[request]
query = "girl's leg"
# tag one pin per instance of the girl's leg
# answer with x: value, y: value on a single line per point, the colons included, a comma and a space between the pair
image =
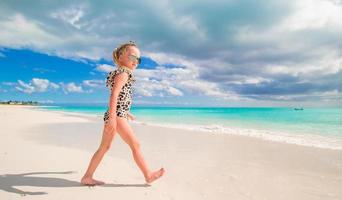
x: 126, y: 133
x: 107, y: 138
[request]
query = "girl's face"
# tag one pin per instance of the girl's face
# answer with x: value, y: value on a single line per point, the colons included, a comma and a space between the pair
x: 130, y: 58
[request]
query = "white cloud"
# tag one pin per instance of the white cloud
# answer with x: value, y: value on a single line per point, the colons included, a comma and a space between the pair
x: 175, y: 81
x: 43, y: 85
x: 105, y: 68
x: 147, y: 87
x: 323, y: 66
x: 54, y: 85
x: 314, y: 14
x: 18, y: 31
x: 329, y: 93
x: 71, y: 15
x: 163, y: 58
x: 157, y: 88
x: 35, y: 85
x: 72, y: 88
x: 178, y: 81
x: 175, y: 91
x: 207, y: 88
x: 26, y: 88
x: 94, y: 83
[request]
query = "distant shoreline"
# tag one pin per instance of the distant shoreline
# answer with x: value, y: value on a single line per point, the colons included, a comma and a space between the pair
x: 31, y: 103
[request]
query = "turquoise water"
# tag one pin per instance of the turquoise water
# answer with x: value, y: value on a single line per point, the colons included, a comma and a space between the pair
x: 316, y: 121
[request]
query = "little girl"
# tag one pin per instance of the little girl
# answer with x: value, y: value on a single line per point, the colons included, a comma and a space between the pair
x: 127, y: 57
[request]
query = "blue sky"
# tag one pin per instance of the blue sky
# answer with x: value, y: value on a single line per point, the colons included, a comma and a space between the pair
x: 195, y: 53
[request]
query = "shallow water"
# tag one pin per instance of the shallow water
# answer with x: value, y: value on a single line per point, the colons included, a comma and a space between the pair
x: 313, y: 126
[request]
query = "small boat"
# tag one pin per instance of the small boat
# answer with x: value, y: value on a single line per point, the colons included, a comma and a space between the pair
x: 298, y: 108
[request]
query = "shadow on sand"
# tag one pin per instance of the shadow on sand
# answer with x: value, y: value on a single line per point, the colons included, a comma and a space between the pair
x: 9, y: 181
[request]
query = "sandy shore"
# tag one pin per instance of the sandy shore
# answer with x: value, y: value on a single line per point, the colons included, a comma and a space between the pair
x: 43, y: 155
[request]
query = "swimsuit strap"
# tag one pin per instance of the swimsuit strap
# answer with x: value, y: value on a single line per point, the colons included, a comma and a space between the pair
x: 129, y: 71
x: 126, y: 69
x: 110, y: 76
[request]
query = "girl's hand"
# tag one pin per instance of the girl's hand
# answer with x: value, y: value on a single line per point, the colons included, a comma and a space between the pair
x: 130, y: 116
x: 111, y: 124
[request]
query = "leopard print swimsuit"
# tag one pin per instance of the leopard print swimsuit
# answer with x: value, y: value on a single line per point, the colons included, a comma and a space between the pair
x: 124, y: 99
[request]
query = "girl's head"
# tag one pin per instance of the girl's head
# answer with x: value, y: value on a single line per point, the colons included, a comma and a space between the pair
x: 127, y: 54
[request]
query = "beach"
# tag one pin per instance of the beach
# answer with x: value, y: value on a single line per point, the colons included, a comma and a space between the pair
x: 43, y: 155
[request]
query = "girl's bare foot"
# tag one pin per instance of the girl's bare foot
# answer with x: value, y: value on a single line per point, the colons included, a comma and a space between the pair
x: 154, y: 175
x: 90, y: 181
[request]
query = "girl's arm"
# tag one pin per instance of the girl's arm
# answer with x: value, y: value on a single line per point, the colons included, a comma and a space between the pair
x: 130, y: 116
x: 119, y: 81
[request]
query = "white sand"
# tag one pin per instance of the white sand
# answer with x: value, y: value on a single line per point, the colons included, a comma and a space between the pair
x: 56, y: 149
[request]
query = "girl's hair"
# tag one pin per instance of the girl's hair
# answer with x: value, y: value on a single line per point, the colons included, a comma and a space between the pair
x: 121, y: 49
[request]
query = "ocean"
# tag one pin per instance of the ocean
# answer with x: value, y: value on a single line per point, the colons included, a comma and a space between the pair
x: 320, y: 127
